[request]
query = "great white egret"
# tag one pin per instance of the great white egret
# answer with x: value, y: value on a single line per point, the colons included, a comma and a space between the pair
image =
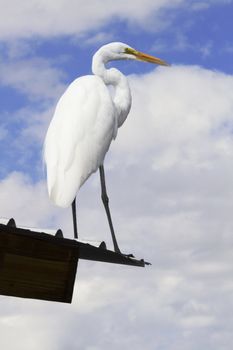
x: 85, y: 122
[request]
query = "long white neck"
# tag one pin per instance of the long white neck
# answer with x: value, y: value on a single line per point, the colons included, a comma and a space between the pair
x: 112, y: 76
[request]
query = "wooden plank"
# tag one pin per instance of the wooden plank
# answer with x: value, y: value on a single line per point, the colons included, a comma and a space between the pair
x: 40, y: 266
x: 32, y: 267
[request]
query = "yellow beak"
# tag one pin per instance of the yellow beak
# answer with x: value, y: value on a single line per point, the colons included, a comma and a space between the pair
x: 148, y: 58
x: 145, y: 57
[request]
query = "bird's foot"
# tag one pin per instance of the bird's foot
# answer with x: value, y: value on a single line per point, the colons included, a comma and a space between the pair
x: 129, y: 255
x: 126, y: 255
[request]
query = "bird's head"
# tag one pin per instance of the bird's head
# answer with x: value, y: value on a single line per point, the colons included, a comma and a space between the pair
x: 121, y: 51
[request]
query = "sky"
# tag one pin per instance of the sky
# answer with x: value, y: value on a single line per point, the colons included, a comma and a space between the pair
x: 169, y: 172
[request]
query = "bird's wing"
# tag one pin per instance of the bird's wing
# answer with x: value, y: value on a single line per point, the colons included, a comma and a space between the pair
x: 78, y: 137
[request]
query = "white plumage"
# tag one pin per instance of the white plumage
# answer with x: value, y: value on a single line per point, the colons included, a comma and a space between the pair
x: 78, y: 137
x: 85, y: 122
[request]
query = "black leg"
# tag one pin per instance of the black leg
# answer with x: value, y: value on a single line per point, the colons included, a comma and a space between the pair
x: 105, y: 200
x: 74, y: 219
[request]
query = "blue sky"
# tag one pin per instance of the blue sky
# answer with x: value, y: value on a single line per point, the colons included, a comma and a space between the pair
x: 169, y: 172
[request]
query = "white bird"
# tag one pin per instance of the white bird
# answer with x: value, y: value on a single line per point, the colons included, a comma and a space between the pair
x: 85, y: 122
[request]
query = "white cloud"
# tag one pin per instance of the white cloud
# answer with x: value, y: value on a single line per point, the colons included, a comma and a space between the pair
x: 205, y: 4
x: 25, y: 128
x: 99, y: 38
x: 36, y: 78
x: 52, y: 18
x: 3, y: 133
x: 177, y: 112
x: 17, y: 48
x: 21, y: 199
x: 169, y: 176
